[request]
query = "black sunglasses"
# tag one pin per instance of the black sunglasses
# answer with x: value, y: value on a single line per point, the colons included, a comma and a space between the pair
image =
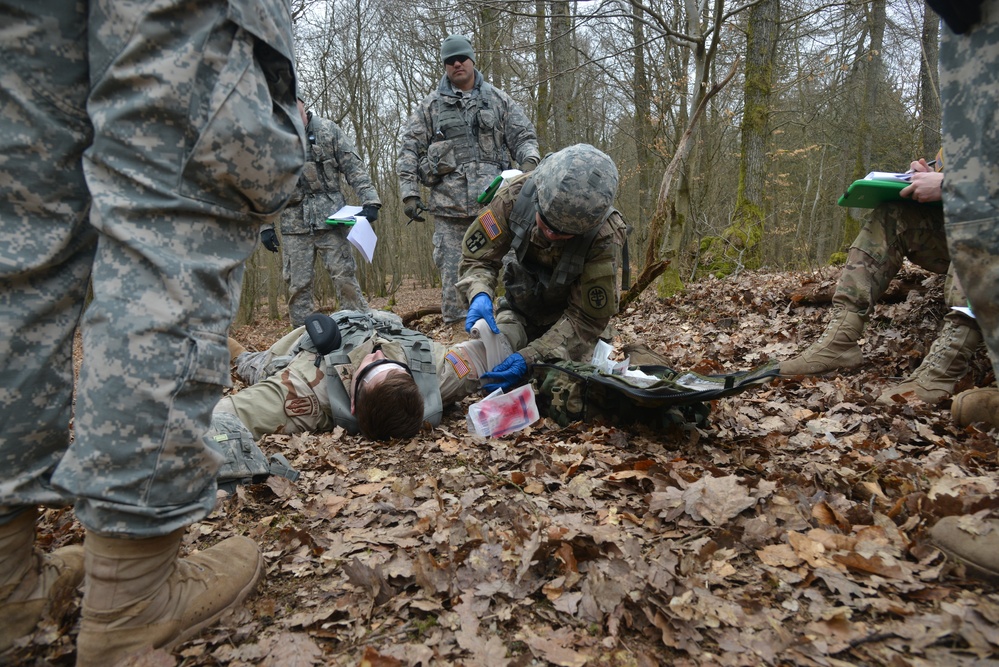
x: 549, y: 225
x: 455, y: 59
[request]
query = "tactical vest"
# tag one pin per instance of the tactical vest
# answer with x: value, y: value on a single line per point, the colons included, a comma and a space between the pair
x: 450, y: 122
x: 321, y: 172
x: 355, y: 329
x: 529, y: 284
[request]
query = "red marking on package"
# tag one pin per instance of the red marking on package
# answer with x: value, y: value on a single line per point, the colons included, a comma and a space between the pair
x: 489, y: 225
x: 460, y: 366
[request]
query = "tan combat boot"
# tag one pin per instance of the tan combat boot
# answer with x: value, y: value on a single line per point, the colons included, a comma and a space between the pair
x: 836, y: 348
x: 235, y: 349
x: 942, y: 368
x: 139, y: 594
x: 971, y: 541
x: 975, y: 406
x: 30, y: 581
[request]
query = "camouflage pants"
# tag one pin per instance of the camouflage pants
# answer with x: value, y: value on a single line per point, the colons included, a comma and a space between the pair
x: 148, y: 193
x: 969, y: 81
x: 300, y: 251
x: 448, y: 235
x: 892, y: 233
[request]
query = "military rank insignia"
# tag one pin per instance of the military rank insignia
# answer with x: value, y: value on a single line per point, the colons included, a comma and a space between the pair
x: 489, y: 225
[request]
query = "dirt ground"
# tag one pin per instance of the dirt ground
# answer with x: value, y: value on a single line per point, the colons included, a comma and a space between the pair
x: 791, y: 529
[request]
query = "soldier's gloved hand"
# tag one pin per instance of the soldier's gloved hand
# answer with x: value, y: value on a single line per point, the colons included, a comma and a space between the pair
x: 370, y: 211
x: 530, y: 164
x: 481, y: 308
x: 270, y: 240
x: 508, y: 373
x: 412, y: 207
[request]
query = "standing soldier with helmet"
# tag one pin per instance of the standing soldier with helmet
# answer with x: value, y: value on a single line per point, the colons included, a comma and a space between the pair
x: 303, y: 223
x: 460, y: 138
x: 567, y: 237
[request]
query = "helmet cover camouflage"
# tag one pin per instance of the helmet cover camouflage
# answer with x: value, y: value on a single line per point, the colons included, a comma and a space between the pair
x: 576, y: 188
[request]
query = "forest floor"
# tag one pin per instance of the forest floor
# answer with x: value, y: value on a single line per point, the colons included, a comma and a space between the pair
x: 790, y: 530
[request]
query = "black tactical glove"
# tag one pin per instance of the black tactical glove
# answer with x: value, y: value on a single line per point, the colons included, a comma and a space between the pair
x: 370, y: 211
x: 412, y: 207
x: 960, y: 15
x: 270, y: 240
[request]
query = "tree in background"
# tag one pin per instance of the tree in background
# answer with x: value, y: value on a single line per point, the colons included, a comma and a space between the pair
x: 627, y: 76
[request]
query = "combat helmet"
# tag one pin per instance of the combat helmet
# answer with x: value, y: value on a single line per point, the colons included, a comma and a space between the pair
x: 575, y: 188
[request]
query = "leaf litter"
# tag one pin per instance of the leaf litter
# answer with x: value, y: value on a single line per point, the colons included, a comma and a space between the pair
x: 791, y: 530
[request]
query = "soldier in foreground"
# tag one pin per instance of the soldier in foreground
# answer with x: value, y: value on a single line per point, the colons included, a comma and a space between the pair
x: 303, y: 223
x: 154, y: 195
x: 460, y: 138
x: 969, y: 81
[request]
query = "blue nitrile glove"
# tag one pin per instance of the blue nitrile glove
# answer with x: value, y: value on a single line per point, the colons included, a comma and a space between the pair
x: 508, y: 373
x: 481, y: 308
x: 270, y: 240
x: 370, y: 211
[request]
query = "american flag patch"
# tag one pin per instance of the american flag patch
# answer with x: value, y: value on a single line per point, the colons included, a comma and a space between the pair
x: 460, y: 366
x: 490, y: 225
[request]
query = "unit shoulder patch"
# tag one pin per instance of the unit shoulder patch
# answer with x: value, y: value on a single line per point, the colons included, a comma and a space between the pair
x: 475, y: 240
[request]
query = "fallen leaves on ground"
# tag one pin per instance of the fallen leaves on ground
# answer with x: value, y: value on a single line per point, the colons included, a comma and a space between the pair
x: 792, y: 530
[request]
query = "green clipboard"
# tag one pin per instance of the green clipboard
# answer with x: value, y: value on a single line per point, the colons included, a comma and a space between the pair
x: 868, y: 193
x: 346, y: 222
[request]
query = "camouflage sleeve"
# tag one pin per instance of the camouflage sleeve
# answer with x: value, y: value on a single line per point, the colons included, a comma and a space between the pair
x: 519, y: 133
x: 353, y: 168
x: 412, y: 166
x: 482, y: 249
x: 593, y: 299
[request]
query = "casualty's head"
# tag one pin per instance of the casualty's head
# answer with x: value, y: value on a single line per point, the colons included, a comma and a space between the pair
x: 385, y: 399
x: 459, y: 61
x: 576, y: 187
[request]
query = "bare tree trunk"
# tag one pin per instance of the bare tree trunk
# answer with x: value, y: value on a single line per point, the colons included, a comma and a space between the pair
x: 563, y: 109
x: 870, y: 69
x: 746, y: 230
x: 643, y: 115
x: 664, y: 204
x: 929, y: 84
x: 544, y: 102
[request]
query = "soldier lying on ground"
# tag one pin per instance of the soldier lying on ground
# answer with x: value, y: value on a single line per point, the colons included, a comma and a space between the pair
x: 383, y: 381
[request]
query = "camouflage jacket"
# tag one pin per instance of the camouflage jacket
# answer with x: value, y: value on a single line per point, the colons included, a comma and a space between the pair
x: 320, y: 188
x: 457, y: 142
x: 572, y: 316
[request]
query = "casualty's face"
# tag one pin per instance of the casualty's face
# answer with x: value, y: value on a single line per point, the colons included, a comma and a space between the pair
x: 372, y: 377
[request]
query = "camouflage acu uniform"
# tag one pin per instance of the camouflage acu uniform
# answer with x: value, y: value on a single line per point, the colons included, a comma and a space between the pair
x: 155, y: 193
x: 546, y: 313
x: 893, y: 232
x: 456, y: 143
x: 304, y: 232
x: 289, y: 393
x: 969, y: 79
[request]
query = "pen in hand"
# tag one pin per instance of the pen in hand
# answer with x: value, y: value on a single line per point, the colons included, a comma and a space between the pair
x: 930, y: 164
